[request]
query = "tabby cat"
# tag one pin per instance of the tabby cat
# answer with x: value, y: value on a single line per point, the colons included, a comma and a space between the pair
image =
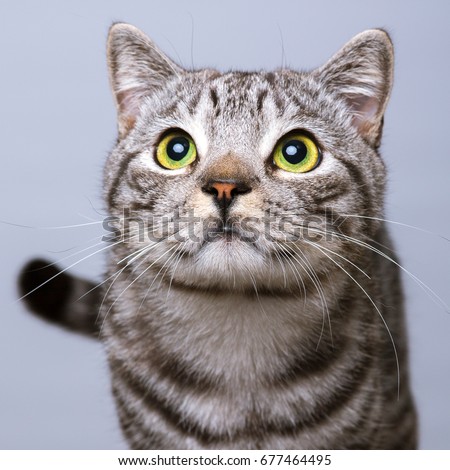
x: 251, y: 299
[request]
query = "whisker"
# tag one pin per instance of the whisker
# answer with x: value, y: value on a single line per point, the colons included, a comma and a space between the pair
x: 166, y: 266
x: 154, y: 279
x: 64, y: 270
x: 394, y: 222
x: 115, y: 275
x: 95, y: 209
x: 294, y: 270
x: 282, y: 268
x: 317, y: 246
x: 136, y: 254
x: 324, y: 300
x: 100, y: 309
x: 428, y: 290
x: 347, y: 260
x: 177, y: 262
x: 50, y: 227
x: 309, y: 270
x: 255, y: 287
x: 139, y: 276
x: 73, y: 254
x: 100, y: 284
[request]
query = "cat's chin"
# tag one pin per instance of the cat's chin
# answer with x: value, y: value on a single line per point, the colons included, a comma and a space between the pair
x: 231, y: 266
x: 228, y: 264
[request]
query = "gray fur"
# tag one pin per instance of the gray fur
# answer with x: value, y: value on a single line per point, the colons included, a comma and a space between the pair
x: 269, y: 345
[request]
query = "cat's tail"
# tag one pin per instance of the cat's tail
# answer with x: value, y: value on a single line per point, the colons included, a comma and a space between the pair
x: 60, y: 298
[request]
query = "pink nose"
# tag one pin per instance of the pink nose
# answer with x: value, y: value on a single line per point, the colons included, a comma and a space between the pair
x: 224, y: 190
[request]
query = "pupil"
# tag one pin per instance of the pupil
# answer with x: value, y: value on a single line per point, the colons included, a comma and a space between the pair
x: 294, y: 151
x: 178, y: 148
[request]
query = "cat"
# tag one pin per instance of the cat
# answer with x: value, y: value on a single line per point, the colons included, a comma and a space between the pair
x: 251, y: 298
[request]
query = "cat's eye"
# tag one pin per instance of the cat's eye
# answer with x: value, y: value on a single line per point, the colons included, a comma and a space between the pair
x: 176, y: 150
x: 296, y: 153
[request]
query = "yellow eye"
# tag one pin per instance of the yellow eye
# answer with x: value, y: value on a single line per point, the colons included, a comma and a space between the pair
x: 296, y: 153
x: 176, y: 150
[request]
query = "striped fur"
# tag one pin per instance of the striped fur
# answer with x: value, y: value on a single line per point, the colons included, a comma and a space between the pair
x: 266, y: 344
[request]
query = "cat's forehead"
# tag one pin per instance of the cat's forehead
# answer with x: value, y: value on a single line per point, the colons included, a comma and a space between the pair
x: 235, y: 104
x: 246, y: 93
x: 248, y: 105
x: 227, y: 113
x: 236, y: 92
x: 237, y: 112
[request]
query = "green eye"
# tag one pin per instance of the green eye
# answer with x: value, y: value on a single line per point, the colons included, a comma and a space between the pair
x: 176, y: 150
x: 296, y: 153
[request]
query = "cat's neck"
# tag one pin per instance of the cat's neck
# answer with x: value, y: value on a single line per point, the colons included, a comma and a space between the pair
x: 231, y: 332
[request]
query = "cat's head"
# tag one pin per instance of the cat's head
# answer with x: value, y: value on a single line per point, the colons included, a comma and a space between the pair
x: 246, y: 179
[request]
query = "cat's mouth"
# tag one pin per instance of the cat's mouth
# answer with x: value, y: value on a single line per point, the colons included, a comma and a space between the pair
x: 228, y: 231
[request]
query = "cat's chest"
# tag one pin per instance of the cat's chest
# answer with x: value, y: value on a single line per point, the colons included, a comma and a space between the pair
x: 224, y: 362
x: 230, y: 337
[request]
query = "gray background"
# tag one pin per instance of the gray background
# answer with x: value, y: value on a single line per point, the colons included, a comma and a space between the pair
x: 58, y: 123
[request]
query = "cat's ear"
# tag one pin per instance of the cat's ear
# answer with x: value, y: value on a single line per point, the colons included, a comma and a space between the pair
x: 362, y: 72
x: 136, y: 68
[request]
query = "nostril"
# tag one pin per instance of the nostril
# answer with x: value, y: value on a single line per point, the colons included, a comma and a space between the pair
x: 241, y: 188
x: 210, y: 190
